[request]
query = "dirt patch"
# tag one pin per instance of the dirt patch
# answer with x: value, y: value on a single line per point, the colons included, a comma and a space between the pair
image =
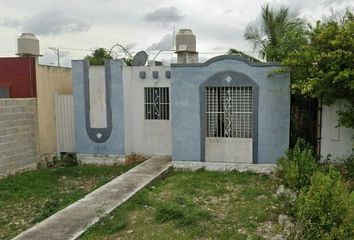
x: 69, y: 184
x: 134, y: 158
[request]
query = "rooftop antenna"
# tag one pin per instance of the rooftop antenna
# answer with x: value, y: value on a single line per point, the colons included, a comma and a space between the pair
x: 140, y: 59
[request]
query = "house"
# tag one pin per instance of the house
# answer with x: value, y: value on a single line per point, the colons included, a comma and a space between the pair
x: 227, y: 110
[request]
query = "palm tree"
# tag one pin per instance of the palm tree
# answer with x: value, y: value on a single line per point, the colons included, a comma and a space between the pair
x: 268, y: 37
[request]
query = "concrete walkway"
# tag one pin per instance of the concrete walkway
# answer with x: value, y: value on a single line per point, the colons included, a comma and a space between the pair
x: 74, y: 220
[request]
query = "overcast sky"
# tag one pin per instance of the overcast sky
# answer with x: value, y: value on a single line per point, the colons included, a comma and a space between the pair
x: 78, y: 26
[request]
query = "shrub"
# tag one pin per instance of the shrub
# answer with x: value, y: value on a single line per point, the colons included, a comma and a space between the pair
x: 346, y: 167
x: 70, y: 160
x: 297, y: 167
x: 66, y: 160
x: 325, y: 209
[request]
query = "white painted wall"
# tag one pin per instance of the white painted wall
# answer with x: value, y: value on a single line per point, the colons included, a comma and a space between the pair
x: 336, y: 141
x: 144, y: 136
x: 97, y: 83
x: 228, y: 150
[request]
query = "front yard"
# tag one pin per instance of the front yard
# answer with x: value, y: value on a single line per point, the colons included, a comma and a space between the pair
x: 196, y: 205
x: 30, y: 197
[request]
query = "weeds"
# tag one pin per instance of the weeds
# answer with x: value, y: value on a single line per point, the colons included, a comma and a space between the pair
x: 32, y: 196
x: 297, y: 167
x: 181, y: 211
x: 194, y: 205
x: 134, y: 158
x: 324, y: 208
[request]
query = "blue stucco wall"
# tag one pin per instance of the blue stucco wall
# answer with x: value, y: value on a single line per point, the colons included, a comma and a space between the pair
x: 115, y: 142
x: 273, y: 106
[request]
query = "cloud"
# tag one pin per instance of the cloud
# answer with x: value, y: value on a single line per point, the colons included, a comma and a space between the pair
x: 50, y: 58
x: 11, y: 22
x: 130, y: 46
x: 165, y: 43
x: 331, y: 2
x: 48, y: 23
x: 164, y: 15
x: 228, y: 11
x: 220, y: 49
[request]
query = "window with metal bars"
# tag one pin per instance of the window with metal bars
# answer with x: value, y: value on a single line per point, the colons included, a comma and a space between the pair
x: 229, y: 112
x: 157, y: 103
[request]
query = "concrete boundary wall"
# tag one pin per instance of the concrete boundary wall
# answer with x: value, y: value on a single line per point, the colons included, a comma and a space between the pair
x: 50, y: 80
x: 335, y: 141
x: 18, y: 135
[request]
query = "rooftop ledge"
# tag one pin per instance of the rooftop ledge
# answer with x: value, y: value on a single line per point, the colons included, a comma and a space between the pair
x: 228, y: 57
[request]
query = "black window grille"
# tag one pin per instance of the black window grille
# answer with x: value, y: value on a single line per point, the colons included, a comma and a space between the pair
x: 157, y: 103
x: 229, y: 112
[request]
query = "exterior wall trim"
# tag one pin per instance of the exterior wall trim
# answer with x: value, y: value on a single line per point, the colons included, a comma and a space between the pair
x: 92, y: 132
x: 227, y: 57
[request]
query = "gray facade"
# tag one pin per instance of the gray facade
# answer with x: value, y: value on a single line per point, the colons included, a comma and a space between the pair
x: 271, y: 109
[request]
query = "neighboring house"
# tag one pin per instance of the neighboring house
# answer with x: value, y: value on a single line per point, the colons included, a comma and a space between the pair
x: 23, y: 77
x: 18, y: 77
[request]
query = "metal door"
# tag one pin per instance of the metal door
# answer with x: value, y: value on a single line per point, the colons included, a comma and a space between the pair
x: 64, y: 116
x: 229, y: 124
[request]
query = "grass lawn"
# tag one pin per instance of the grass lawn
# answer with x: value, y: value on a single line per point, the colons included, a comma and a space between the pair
x: 196, y: 205
x: 30, y: 197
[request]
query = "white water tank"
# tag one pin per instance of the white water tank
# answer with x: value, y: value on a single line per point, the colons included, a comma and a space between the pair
x: 186, y: 46
x: 27, y: 45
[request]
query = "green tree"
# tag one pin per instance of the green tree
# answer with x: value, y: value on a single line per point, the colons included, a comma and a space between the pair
x: 324, y: 67
x: 128, y: 61
x: 98, y: 57
x: 278, y: 34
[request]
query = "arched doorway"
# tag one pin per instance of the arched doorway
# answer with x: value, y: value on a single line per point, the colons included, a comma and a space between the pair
x: 229, y: 118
